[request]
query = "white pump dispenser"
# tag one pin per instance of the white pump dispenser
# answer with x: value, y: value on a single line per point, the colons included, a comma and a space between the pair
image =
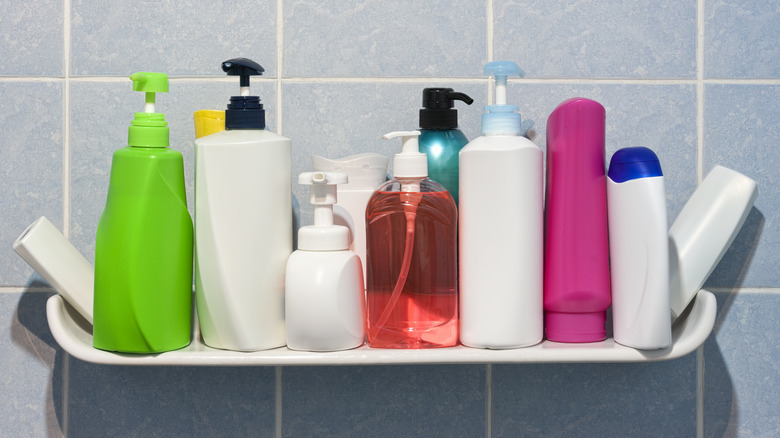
x: 324, y: 302
x: 410, y: 163
x: 501, y: 228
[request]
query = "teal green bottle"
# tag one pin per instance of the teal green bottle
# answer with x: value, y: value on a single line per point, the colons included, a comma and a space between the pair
x: 143, y: 248
x: 440, y: 137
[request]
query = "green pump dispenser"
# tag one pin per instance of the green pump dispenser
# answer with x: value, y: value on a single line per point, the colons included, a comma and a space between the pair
x: 143, y: 247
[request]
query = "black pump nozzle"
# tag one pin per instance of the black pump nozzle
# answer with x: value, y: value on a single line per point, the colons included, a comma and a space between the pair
x: 244, y: 111
x: 242, y: 67
x: 438, y: 108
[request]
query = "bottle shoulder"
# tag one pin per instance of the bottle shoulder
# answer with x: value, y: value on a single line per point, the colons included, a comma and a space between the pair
x: 240, y: 137
x: 135, y: 152
x: 499, y: 143
x: 426, y: 185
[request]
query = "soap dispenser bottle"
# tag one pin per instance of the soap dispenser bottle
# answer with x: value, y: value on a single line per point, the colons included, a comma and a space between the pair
x: 576, y: 256
x: 143, y: 247
x: 440, y: 138
x: 501, y: 228
x: 324, y: 298
x: 365, y: 172
x: 243, y: 224
x: 411, y: 233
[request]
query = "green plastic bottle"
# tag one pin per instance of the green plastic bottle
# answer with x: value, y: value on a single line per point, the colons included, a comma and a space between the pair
x: 143, y: 251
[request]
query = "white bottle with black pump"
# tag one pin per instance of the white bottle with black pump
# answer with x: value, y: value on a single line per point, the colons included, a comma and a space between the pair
x: 501, y: 228
x: 243, y: 224
x: 325, y: 302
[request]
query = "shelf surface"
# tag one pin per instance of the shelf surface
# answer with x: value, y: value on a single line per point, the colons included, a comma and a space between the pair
x: 74, y: 335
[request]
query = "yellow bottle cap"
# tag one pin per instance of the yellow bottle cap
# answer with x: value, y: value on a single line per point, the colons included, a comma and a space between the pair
x: 208, y: 122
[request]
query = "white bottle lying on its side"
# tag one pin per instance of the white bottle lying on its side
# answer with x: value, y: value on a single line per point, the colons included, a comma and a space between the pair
x: 639, y: 250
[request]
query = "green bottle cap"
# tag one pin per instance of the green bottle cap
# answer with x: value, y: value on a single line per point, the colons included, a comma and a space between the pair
x: 149, y: 128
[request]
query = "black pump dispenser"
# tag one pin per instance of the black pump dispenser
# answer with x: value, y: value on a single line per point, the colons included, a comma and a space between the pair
x: 438, y: 110
x: 244, y: 111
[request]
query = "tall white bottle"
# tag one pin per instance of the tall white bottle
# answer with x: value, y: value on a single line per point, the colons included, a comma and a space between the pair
x: 243, y: 225
x: 639, y: 249
x: 501, y: 228
x: 325, y: 300
x: 365, y: 172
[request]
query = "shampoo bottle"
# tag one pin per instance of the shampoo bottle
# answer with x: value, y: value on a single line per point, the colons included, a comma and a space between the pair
x: 639, y: 250
x: 143, y: 247
x: 324, y: 298
x: 501, y: 229
x: 365, y: 172
x: 243, y: 224
x: 411, y: 232
x: 440, y: 138
x: 576, y: 257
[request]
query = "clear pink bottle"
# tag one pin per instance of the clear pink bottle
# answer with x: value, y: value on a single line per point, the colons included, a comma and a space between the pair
x: 412, y: 270
x: 576, y: 259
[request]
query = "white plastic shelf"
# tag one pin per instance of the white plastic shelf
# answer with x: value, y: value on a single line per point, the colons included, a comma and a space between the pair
x: 688, y: 333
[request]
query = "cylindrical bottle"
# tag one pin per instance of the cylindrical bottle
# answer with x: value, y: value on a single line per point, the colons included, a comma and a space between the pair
x: 365, y: 172
x: 576, y: 258
x: 143, y: 248
x: 411, y: 232
x: 639, y: 250
x: 243, y: 225
x: 324, y: 298
x: 440, y: 138
x: 501, y: 230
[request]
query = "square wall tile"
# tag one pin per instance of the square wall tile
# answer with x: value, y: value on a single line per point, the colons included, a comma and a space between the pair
x: 31, y: 38
x: 384, y: 401
x: 31, y: 165
x: 742, y: 133
x: 375, y: 38
x: 660, y: 117
x: 741, y: 385
x: 31, y: 364
x: 740, y: 39
x: 125, y: 401
x: 336, y: 120
x: 100, y: 115
x: 564, y: 39
x: 580, y: 400
x: 171, y: 36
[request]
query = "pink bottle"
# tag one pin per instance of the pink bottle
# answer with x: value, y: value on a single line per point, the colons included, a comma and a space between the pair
x: 576, y: 258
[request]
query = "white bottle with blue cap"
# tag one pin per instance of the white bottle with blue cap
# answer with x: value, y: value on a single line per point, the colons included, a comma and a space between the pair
x: 501, y: 228
x: 639, y: 250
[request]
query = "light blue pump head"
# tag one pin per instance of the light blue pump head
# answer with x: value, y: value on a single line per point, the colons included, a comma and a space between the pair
x: 500, y: 118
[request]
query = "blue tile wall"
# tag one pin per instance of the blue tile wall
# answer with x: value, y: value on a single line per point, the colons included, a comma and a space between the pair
x: 699, y: 86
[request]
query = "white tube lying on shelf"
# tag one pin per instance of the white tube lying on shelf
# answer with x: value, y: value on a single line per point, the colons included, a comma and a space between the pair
x: 47, y: 251
x: 704, y: 230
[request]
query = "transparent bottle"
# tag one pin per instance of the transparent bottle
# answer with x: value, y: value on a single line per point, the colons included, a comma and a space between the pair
x: 411, y: 229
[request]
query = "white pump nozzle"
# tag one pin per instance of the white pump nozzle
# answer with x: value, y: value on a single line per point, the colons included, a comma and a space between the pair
x: 500, y: 118
x: 410, y: 163
x: 323, y: 236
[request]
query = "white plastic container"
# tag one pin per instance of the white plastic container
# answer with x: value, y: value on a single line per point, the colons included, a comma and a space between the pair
x: 365, y: 172
x: 47, y: 251
x: 501, y: 229
x: 243, y: 227
x: 639, y: 250
x: 704, y: 230
x: 325, y: 300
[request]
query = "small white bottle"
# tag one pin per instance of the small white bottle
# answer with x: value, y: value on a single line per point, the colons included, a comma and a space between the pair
x: 639, y: 250
x: 243, y: 225
x: 365, y: 172
x: 325, y: 301
x: 501, y: 229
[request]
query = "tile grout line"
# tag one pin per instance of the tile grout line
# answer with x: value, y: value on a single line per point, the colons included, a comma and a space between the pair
x: 699, y: 176
x: 489, y: 400
x: 66, y: 32
x: 279, y: 62
x: 278, y: 401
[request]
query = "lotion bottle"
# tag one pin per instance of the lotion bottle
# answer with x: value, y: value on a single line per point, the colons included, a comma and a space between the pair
x: 440, y: 138
x: 143, y: 247
x: 365, y: 172
x: 411, y: 233
x: 243, y: 224
x: 324, y: 298
x: 501, y: 228
x: 576, y: 257
x: 639, y: 250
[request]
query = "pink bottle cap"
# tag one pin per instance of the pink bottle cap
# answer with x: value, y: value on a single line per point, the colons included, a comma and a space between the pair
x: 575, y: 327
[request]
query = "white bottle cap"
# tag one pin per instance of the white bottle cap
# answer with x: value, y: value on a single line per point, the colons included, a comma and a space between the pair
x: 410, y: 163
x: 365, y: 171
x: 323, y: 235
